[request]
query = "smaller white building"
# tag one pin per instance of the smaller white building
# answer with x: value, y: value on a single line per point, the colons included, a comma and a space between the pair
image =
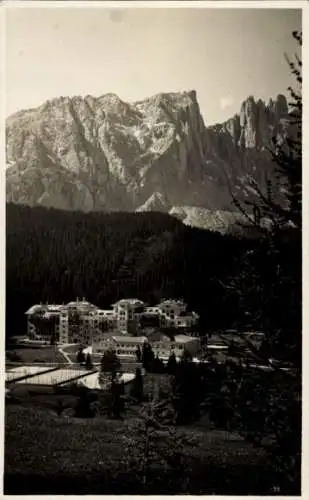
x: 123, y: 345
x: 161, y: 344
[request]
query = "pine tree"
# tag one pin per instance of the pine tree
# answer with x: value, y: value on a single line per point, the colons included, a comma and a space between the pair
x: 157, y: 365
x: 137, y: 391
x: 187, y: 394
x: 80, y: 356
x: 138, y: 353
x: 89, y: 361
x: 147, y: 357
x: 110, y: 363
x: 84, y: 405
x: 268, y: 285
x: 171, y: 364
x: 269, y: 289
x: 158, y: 442
x: 186, y: 356
x: 117, y: 390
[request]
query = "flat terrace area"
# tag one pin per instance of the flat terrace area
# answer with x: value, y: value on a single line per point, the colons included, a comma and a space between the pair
x: 47, y: 376
x: 25, y: 371
x: 54, y: 377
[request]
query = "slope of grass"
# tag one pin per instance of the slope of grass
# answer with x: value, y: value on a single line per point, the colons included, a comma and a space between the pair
x: 38, y: 355
x: 46, y: 454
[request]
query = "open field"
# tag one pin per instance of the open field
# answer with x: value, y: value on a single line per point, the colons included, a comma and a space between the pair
x: 73, y: 456
x: 38, y: 355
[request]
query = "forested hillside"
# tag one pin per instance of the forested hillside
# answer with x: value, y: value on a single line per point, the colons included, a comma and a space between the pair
x: 56, y: 256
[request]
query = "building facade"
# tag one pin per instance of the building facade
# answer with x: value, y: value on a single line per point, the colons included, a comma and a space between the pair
x: 74, y: 322
x: 80, y: 321
x: 174, y: 314
x: 127, y: 313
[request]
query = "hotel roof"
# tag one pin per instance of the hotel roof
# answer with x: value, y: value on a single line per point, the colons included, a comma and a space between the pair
x: 133, y: 340
x: 184, y: 338
x: 78, y: 304
x: 81, y: 304
x: 172, y: 302
x: 44, y: 308
x: 129, y: 301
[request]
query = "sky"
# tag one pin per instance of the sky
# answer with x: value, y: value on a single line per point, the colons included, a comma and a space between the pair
x: 224, y: 54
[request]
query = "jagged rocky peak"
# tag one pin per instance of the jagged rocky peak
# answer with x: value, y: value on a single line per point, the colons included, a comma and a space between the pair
x: 110, y: 97
x: 169, y: 100
x: 112, y: 102
x: 279, y: 106
x: 101, y: 153
x: 257, y: 122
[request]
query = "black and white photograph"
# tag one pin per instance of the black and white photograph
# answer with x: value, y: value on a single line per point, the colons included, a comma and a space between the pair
x: 153, y: 248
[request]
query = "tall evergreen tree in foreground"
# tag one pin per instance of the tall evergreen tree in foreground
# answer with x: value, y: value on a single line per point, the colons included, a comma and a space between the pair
x: 268, y: 408
x: 157, y: 441
x: 89, y: 364
x: 137, y: 391
x: 269, y: 284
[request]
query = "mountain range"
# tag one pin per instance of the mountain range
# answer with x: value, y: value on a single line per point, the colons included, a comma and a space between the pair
x: 103, y: 154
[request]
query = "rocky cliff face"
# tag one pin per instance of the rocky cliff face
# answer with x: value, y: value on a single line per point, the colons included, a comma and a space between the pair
x: 104, y: 154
